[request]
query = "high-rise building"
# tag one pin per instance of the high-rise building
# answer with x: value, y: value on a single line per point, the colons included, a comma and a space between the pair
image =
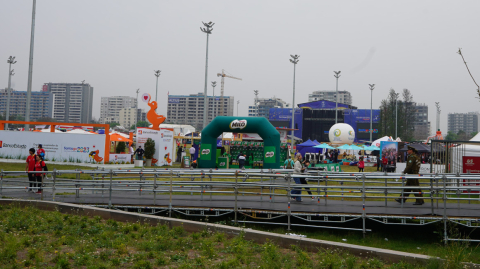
x: 262, y: 108
x: 188, y: 109
x: 127, y: 117
x: 111, y: 106
x: 344, y: 97
x: 467, y: 122
x: 421, y: 123
x: 72, y: 102
x: 40, y: 104
x: 141, y: 115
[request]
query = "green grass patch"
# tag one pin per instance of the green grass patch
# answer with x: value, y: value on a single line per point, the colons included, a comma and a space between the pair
x: 42, y: 239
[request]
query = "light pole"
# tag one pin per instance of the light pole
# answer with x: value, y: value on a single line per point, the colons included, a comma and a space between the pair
x: 437, y: 104
x: 294, y: 61
x: 396, y: 113
x: 136, y: 108
x: 337, y: 75
x: 372, y: 86
x: 238, y: 102
x: 214, y: 84
x: 256, y: 102
x: 157, y: 74
x: 208, y: 31
x: 30, y: 67
x: 10, y: 61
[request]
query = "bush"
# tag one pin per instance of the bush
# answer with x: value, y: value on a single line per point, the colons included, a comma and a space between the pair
x: 120, y: 147
x: 149, y: 148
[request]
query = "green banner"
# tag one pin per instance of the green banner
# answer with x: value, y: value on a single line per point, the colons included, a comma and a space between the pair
x: 206, y: 152
x: 270, y: 154
x: 330, y: 167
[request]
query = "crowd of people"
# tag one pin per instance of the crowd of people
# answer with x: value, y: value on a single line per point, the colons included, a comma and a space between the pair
x: 34, y: 165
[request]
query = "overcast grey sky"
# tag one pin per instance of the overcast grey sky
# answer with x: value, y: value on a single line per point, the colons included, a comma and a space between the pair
x: 115, y: 45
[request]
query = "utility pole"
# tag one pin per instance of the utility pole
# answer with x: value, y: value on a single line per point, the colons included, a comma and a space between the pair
x: 238, y: 102
x: 437, y: 104
x: 372, y: 86
x: 10, y: 61
x: 136, y: 108
x: 256, y: 102
x: 294, y: 61
x: 30, y: 67
x: 337, y: 75
x: 396, y: 114
x: 214, y: 84
x: 157, y: 74
x: 208, y: 31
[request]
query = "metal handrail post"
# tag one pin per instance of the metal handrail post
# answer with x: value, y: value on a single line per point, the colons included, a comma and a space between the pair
x: 77, y: 191
x: 1, y: 182
x: 363, y: 209
x: 41, y: 187
x: 289, y: 212
x: 110, y: 189
x: 171, y: 190
x: 402, y: 198
x: 54, y: 176
x: 261, y: 187
x: 211, y: 187
x: 201, y: 179
x: 431, y: 194
x: 236, y: 197
x: 155, y: 187
x: 445, y: 209
x: 386, y: 191
x: 326, y: 186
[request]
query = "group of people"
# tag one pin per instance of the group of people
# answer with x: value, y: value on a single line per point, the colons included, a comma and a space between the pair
x: 34, y: 164
x: 299, y: 167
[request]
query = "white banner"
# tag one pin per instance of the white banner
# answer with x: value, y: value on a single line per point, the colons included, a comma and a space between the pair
x: 59, y: 147
x: 120, y: 158
x: 163, y: 144
x: 424, y: 168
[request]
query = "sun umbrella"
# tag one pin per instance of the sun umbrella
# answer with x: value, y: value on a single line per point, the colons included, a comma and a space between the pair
x: 324, y: 146
x: 345, y: 147
x: 118, y: 138
x: 355, y: 147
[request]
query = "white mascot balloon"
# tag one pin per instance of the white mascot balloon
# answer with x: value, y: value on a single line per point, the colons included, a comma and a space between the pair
x: 341, y: 133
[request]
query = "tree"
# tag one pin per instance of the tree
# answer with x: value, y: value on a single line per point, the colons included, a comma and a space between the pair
x: 405, y: 111
x: 451, y: 136
x: 461, y: 135
x: 149, y: 148
x: 113, y: 124
x: 120, y: 147
x: 140, y: 124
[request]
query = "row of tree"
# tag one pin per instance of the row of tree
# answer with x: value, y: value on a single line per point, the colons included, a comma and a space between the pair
x: 460, y: 136
x: 397, y: 112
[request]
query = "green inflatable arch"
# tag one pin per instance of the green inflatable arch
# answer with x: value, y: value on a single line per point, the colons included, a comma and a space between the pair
x: 259, y: 125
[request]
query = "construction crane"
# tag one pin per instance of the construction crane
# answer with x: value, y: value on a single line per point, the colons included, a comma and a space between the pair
x: 223, y: 75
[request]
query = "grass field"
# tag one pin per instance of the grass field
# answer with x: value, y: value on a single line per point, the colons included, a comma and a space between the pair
x: 33, y: 238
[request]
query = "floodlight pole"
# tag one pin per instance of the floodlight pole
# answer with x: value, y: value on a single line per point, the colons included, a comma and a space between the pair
x: 396, y: 113
x: 372, y: 86
x: 238, y: 102
x: 337, y: 75
x: 256, y: 102
x: 136, y: 108
x: 294, y: 61
x: 10, y: 61
x: 157, y: 74
x: 214, y: 84
x: 208, y: 31
x: 437, y: 104
x: 30, y: 68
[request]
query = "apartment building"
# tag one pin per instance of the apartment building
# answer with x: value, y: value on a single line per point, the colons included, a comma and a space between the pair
x: 72, y: 102
x: 467, y: 122
x: 188, y: 109
x: 344, y: 97
x: 40, y: 104
x: 261, y: 106
x: 421, y: 123
x: 110, y: 107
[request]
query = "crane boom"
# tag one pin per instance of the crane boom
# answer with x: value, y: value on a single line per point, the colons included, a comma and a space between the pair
x: 223, y: 75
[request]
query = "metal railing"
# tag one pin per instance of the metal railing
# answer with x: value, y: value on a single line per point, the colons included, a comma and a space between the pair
x: 152, y: 186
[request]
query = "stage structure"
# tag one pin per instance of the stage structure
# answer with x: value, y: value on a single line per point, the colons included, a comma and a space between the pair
x: 259, y: 125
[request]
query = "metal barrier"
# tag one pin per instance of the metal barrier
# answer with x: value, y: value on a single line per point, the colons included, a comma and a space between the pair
x: 151, y: 187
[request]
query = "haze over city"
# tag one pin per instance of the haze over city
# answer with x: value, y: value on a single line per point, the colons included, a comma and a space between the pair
x: 115, y: 46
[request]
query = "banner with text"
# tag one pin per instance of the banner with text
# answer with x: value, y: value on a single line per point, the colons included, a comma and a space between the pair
x: 163, y: 144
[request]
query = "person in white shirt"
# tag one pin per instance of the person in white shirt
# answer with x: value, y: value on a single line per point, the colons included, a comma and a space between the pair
x: 130, y: 149
x: 192, y: 153
x: 298, y: 169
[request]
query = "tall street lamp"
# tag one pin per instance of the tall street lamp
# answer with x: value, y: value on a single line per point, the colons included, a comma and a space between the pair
x: 238, y: 102
x: 396, y: 113
x: 30, y: 67
x: 10, y: 61
x: 437, y: 105
x: 372, y: 86
x: 214, y: 84
x: 294, y: 61
x: 256, y: 102
x: 337, y: 75
x: 208, y: 30
x: 157, y: 74
x: 136, y: 108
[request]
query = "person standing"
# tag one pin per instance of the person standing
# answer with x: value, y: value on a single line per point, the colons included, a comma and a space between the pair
x: 384, y: 162
x: 379, y: 163
x: 241, y: 161
x: 130, y: 149
x: 192, y: 153
x: 289, y: 163
x: 297, y: 169
x: 39, y: 166
x: 413, y: 167
x: 303, y: 180
x: 361, y: 165
x: 41, y: 151
x: 139, y: 152
x: 30, y: 167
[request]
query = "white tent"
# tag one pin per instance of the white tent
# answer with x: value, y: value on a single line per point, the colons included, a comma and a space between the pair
x: 78, y: 131
x: 376, y: 143
x: 48, y: 131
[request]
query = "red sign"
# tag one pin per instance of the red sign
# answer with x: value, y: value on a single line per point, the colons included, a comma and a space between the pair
x: 471, y: 165
x: 45, y: 88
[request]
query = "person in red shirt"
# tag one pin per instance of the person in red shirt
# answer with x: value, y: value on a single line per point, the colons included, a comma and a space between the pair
x: 29, y: 168
x: 39, y: 166
x: 384, y: 163
x: 41, y: 151
x: 361, y: 165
